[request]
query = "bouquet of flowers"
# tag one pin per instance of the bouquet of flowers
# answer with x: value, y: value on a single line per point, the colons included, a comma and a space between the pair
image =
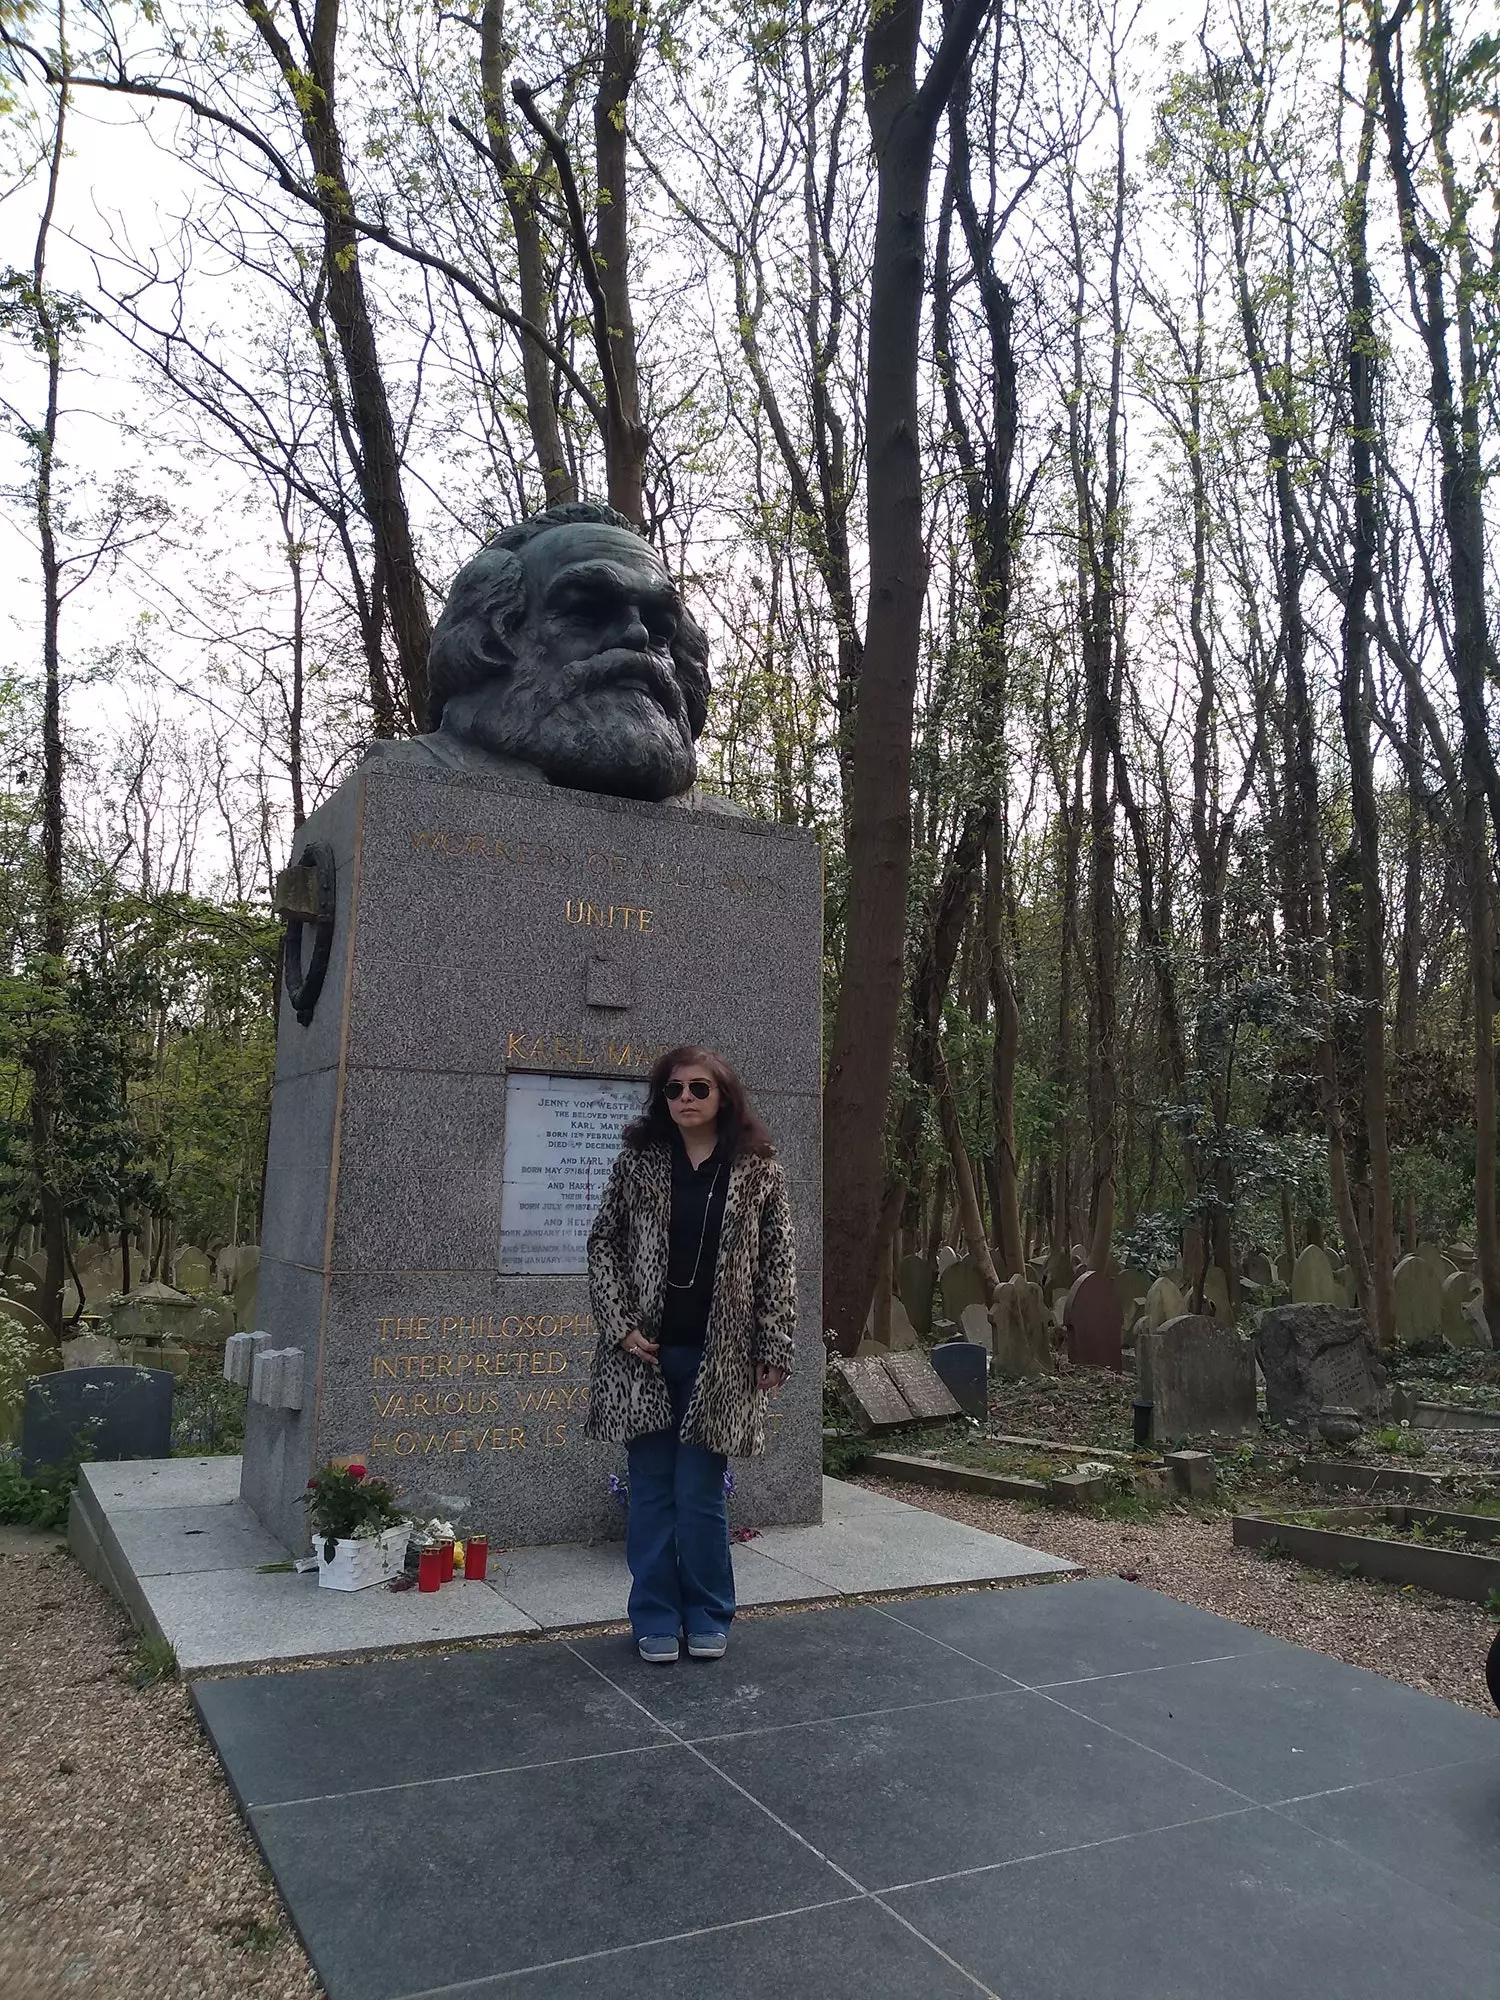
x: 345, y: 1504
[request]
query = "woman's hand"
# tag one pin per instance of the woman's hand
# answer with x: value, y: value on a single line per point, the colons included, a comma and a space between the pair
x: 636, y: 1343
x: 767, y: 1377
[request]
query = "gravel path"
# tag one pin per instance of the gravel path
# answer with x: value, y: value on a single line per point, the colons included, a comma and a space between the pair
x: 128, y: 1874
x: 1432, y: 1643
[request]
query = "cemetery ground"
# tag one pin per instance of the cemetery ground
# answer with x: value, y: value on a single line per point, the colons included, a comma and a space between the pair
x: 130, y: 1872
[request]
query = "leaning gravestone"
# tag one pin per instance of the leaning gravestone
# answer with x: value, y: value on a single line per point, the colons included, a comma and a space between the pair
x: 946, y: 1256
x: 1199, y: 1377
x: 1164, y: 1301
x: 914, y: 1282
x: 1419, y: 1299
x: 1457, y: 1326
x: 1317, y: 1357
x: 493, y: 932
x: 1094, y: 1323
x: 1313, y: 1282
x: 102, y: 1413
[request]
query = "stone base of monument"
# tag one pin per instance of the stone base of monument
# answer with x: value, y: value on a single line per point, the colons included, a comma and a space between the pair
x: 173, y: 1541
x: 458, y: 1052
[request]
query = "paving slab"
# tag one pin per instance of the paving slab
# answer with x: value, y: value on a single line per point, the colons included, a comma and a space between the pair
x: 853, y: 1806
x: 186, y: 1557
x: 235, y: 1617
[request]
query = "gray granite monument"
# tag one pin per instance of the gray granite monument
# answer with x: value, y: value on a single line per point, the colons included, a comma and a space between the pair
x: 487, y: 948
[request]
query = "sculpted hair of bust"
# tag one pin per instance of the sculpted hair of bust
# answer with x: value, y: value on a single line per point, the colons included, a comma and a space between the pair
x: 564, y: 646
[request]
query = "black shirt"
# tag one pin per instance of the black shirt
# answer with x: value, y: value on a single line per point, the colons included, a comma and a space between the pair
x: 698, y: 1196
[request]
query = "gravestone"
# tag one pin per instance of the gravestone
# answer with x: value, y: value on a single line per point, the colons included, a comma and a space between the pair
x: 192, y: 1270
x: 114, y: 1412
x: 101, y: 1274
x: 505, y: 961
x: 1019, y: 1341
x: 946, y: 1256
x: 1316, y: 1357
x: 31, y: 1323
x: 1094, y: 1323
x: 961, y: 1285
x: 1060, y: 1273
x: 1258, y: 1269
x: 962, y: 1366
x: 974, y: 1325
x: 903, y: 1333
x: 233, y: 1262
x: 1131, y: 1286
x: 1419, y: 1299
x: 915, y: 1279
x: 1164, y: 1301
x: 20, y: 1286
x: 91, y: 1350
x: 883, y: 1392
x: 161, y: 1313
x: 1313, y: 1282
x: 1199, y: 1377
x: 1216, y: 1293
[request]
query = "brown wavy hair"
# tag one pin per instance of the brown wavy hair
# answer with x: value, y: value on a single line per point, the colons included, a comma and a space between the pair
x: 739, y: 1128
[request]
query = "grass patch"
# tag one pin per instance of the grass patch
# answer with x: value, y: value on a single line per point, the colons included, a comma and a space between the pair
x: 153, y: 1661
x: 39, y: 1502
x: 1402, y: 1444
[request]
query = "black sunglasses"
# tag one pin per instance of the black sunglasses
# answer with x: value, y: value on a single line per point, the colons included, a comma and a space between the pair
x: 698, y: 1085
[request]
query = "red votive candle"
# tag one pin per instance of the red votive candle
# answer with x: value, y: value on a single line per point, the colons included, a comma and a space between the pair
x: 445, y: 1553
x: 430, y: 1568
x: 476, y: 1557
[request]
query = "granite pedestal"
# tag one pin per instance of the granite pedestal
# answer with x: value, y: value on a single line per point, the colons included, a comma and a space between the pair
x: 486, y: 936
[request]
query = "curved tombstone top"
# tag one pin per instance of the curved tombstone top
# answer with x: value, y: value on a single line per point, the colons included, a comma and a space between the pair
x: 565, y: 655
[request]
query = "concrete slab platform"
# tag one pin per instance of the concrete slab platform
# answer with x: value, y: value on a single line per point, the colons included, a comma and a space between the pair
x: 972, y: 1794
x: 174, y: 1542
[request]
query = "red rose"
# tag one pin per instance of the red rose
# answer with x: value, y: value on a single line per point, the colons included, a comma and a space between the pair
x: 356, y: 1472
x: 312, y: 1485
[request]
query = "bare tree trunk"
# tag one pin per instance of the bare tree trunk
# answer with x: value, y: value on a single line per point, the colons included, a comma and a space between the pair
x: 903, y: 120
x: 1354, y: 708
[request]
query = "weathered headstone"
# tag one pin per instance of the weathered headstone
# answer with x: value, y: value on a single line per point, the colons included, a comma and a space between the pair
x: 101, y: 1274
x: 1094, y: 1323
x: 1020, y: 1344
x: 974, y: 1325
x: 91, y: 1350
x: 1313, y: 1282
x: 903, y: 1333
x: 946, y: 1256
x: 1199, y: 1377
x: 1131, y: 1286
x: 161, y: 1313
x: 1060, y: 1273
x: 1319, y: 1356
x: 233, y: 1262
x: 1419, y: 1299
x: 506, y: 960
x: 108, y: 1413
x: 31, y: 1323
x: 915, y: 1279
x: 1258, y: 1269
x: 1458, y: 1289
x: 1216, y: 1293
x: 1164, y: 1301
x: 917, y: 1380
x: 192, y: 1270
x: 961, y: 1285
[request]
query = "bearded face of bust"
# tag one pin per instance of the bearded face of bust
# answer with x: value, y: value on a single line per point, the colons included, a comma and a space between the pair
x: 570, y: 651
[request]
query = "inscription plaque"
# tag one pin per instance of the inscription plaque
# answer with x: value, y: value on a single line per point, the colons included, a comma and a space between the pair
x: 562, y: 1134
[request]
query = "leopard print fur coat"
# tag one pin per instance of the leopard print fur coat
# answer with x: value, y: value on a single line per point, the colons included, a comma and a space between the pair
x: 751, y: 1320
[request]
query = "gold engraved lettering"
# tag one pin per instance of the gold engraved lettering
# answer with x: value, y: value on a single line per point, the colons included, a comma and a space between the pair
x: 383, y: 1366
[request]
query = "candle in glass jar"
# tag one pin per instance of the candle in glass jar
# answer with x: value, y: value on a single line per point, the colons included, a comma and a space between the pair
x: 445, y: 1553
x: 476, y: 1557
x: 429, y: 1568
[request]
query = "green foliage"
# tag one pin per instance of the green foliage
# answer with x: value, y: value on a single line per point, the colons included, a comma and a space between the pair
x: 208, y: 1418
x: 343, y: 1502
x: 842, y: 1452
x: 39, y: 1502
x: 1405, y: 1444
x: 153, y: 1661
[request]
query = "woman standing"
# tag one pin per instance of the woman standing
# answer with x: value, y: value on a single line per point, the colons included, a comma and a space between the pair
x: 694, y: 1296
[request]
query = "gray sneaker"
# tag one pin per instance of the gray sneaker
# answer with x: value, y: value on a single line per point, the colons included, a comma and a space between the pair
x: 660, y: 1652
x: 707, y: 1645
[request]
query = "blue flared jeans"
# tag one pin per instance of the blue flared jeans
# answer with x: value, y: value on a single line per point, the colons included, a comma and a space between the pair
x: 677, y: 1533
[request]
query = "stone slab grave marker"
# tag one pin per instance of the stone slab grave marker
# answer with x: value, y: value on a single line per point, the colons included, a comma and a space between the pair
x: 1419, y: 1299
x: 885, y: 1392
x: 1216, y: 1293
x: 120, y: 1412
x: 91, y: 1350
x: 192, y: 1270
x: 1094, y: 1323
x: 1199, y: 1377
x: 974, y: 1326
x: 1258, y: 1269
x: 961, y: 1286
x: 915, y: 1279
x: 1163, y: 1301
x: 443, y: 1121
x: 946, y: 1256
x: 962, y: 1366
x: 1020, y: 1344
x: 1313, y: 1282
x: 1317, y: 1357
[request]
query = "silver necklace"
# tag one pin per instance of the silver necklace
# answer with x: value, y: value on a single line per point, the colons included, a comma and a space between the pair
x: 702, y: 1235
